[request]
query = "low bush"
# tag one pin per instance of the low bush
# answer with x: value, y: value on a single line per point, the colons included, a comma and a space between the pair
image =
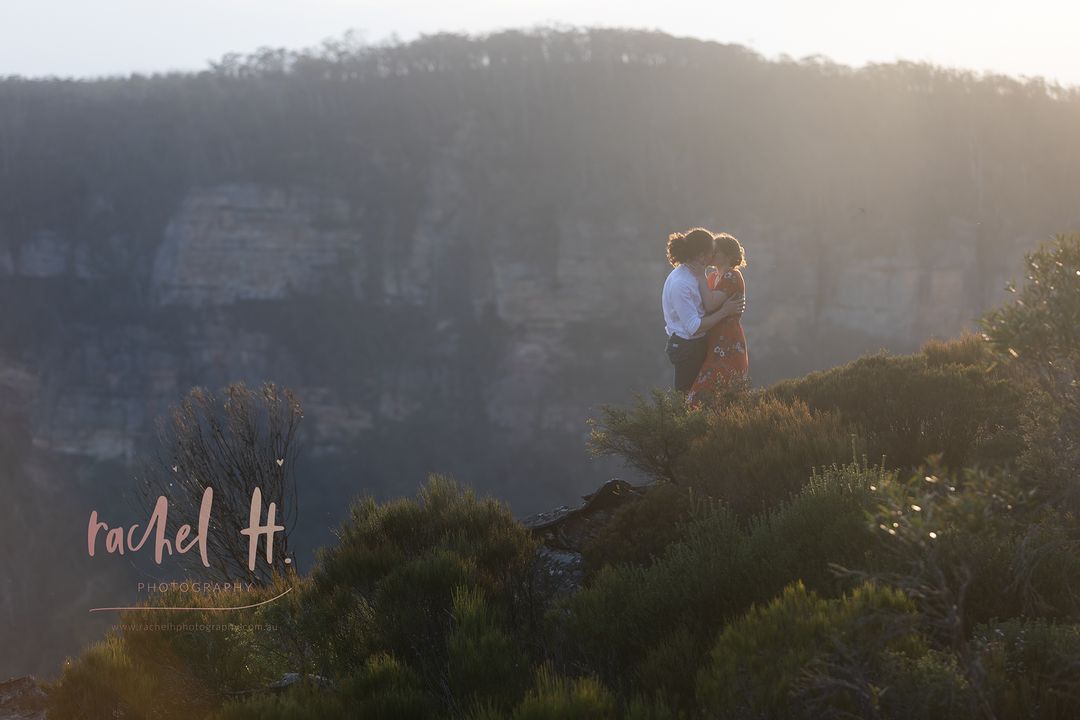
x: 384, y: 689
x: 968, y: 349
x: 388, y: 689
x: 169, y: 665
x: 378, y: 537
x: 645, y: 627
x: 397, y: 565
x: 943, y: 401
x: 1043, y: 325
x: 752, y: 453
x: 656, y: 708
x: 486, y: 665
x: 1036, y: 336
x: 803, y: 656
x: 1032, y: 668
x: 303, y: 702
x: 824, y: 526
x: 974, y: 546
x: 652, y: 436
x: 559, y: 698
x: 327, y: 630
x: 104, y: 683
x: 226, y: 650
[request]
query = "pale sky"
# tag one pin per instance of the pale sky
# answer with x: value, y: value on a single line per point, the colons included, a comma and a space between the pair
x: 88, y: 38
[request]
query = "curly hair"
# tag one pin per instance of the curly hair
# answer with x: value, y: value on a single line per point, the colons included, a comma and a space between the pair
x: 684, y: 247
x: 728, y: 245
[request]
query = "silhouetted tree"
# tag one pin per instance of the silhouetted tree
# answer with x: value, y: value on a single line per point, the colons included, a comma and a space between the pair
x: 234, y: 444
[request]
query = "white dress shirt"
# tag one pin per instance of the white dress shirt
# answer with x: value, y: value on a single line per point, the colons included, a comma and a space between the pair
x: 683, y: 308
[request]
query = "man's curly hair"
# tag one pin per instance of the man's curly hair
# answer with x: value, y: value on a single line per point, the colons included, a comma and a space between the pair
x: 684, y: 247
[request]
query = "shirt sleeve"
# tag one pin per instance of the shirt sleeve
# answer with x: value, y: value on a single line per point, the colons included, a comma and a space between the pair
x: 686, y: 304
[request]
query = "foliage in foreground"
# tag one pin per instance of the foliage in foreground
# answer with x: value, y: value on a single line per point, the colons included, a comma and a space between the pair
x: 847, y: 613
x: 751, y: 453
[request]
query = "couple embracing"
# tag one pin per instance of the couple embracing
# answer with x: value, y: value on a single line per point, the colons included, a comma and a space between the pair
x: 703, y: 301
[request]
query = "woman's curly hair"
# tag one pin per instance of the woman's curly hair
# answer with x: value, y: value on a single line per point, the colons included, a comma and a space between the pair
x: 727, y: 244
x: 684, y: 247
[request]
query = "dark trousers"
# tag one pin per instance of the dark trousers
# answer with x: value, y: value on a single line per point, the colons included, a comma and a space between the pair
x: 687, y: 356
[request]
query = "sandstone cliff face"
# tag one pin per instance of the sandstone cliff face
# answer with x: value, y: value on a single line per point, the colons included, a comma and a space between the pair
x: 811, y: 303
x: 247, y: 242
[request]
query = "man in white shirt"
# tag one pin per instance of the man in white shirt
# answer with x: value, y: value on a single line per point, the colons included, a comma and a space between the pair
x: 684, y: 312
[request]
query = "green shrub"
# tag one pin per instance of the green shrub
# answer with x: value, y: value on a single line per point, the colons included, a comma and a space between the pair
x: 759, y: 451
x: 656, y: 708
x: 931, y: 685
x: 485, y: 663
x: 328, y: 630
x: 558, y: 698
x: 967, y: 349
x: 1043, y: 324
x: 164, y: 664
x: 225, y: 650
x: 653, y: 437
x: 104, y: 683
x: 666, y: 667
x: 396, y: 565
x: 413, y: 604
x: 1051, y: 454
x: 1038, y: 336
x: 822, y: 527
x: 946, y: 401
x: 388, y: 690
x: 378, y: 537
x: 805, y: 656
x: 975, y: 546
x: 648, y: 627
x: 384, y: 689
x: 626, y: 610
x: 752, y: 453
x: 1044, y: 567
x: 303, y: 702
x: 1032, y: 668
x: 911, y: 407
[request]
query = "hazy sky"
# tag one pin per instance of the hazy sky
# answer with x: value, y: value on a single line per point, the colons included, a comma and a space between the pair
x: 85, y: 38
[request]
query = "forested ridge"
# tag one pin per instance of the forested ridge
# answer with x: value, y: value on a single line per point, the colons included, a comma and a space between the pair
x: 622, y: 113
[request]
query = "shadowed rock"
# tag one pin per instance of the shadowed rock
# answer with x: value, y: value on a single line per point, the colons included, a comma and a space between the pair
x: 564, y: 531
x: 22, y: 699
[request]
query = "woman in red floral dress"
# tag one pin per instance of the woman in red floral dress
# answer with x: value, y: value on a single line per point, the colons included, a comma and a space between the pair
x: 727, y: 359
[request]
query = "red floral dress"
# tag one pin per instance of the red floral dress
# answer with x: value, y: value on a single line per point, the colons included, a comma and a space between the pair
x: 727, y: 358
